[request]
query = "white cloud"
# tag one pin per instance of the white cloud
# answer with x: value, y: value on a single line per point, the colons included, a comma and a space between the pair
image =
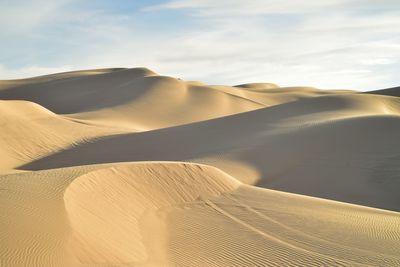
x: 328, y: 44
x: 337, y: 43
x: 247, y: 7
x: 378, y: 61
x: 22, y: 16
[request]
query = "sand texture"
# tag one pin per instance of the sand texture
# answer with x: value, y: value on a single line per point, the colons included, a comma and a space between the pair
x: 125, y: 167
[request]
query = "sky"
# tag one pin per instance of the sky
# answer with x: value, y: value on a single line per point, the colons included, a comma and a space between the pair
x: 346, y: 44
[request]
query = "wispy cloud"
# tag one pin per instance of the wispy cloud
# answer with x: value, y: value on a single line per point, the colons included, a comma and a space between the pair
x: 333, y: 43
x: 329, y: 44
x: 239, y: 7
x: 25, y: 17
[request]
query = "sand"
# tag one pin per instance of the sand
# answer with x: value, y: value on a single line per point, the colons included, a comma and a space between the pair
x: 125, y: 167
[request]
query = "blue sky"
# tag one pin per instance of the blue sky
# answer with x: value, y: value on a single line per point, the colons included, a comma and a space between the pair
x: 329, y: 44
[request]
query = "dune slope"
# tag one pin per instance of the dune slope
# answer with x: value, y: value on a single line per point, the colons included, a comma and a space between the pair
x: 395, y: 91
x: 178, y: 214
x: 311, y: 146
x: 125, y: 167
x: 29, y: 131
x: 138, y: 99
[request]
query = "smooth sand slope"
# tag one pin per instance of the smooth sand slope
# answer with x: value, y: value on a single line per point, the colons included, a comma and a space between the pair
x: 124, y: 167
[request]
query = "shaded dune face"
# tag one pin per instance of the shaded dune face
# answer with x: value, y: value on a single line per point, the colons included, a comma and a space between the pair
x: 395, y: 91
x: 76, y: 91
x: 258, y: 86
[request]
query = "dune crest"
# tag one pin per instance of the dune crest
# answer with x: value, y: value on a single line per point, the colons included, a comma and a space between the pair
x: 101, y: 200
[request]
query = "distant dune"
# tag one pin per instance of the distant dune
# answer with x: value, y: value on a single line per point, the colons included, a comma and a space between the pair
x: 125, y: 167
x: 395, y: 91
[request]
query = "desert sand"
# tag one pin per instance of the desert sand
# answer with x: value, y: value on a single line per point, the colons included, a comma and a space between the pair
x: 126, y: 167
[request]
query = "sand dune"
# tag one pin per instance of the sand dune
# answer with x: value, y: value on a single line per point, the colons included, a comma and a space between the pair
x: 29, y: 131
x: 181, y: 215
x: 395, y: 91
x: 310, y: 147
x: 139, y: 99
x: 130, y: 98
x: 125, y: 167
